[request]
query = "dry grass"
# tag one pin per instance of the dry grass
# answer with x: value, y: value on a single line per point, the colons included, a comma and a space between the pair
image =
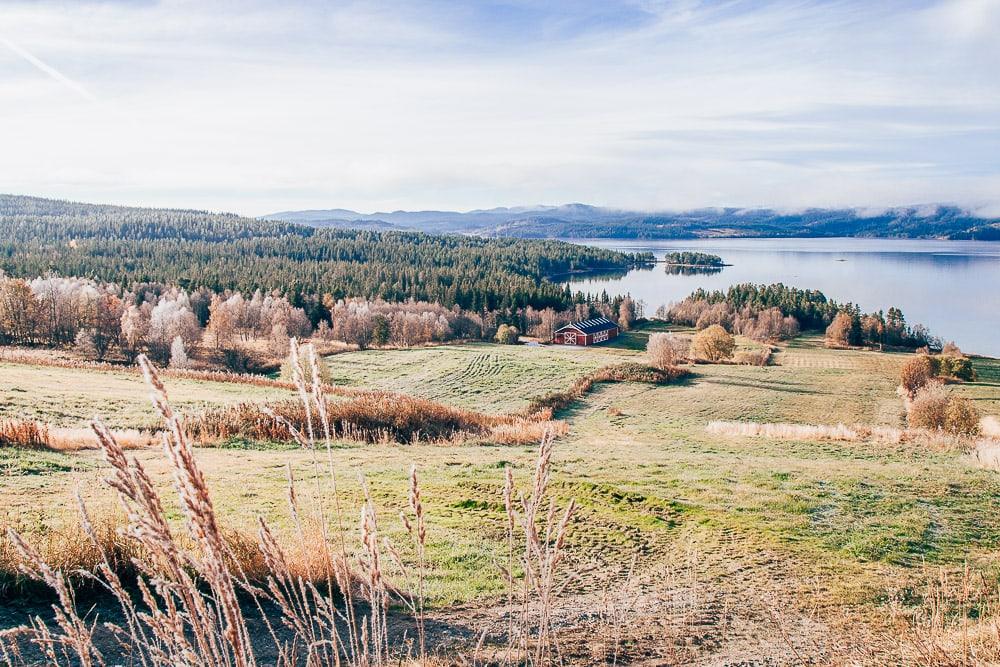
x: 70, y: 549
x: 28, y: 434
x: 990, y: 426
x: 186, y: 609
x: 956, y: 624
x: 24, y: 434
x: 79, y: 547
x: 933, y: 440
x: 373, y: 417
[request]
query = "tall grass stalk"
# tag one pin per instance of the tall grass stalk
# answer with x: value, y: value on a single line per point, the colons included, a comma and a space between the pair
x: 188, y: 596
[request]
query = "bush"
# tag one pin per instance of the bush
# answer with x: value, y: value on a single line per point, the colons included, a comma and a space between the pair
x: 935, y: 409
x: 758, y: 357
x: 664, y: 350
x: 957, y: 367
x: 951, y: 350
x: 713, y: 344
x: 507, y: 335
x: 929, y: 406
x: 919, y: 370
x: 916, y: 373
x: 961, y: 416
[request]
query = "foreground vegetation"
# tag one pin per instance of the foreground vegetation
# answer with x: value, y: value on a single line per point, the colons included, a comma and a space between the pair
x: 777, y: 541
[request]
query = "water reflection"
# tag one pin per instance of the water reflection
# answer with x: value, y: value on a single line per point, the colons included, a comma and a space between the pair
x: 689, y: 270
x: 951, y: 286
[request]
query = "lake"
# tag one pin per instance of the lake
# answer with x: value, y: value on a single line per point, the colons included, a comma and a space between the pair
x: 952, y: 287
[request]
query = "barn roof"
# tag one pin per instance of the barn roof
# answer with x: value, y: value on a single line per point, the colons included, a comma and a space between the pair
x: 590, y: 326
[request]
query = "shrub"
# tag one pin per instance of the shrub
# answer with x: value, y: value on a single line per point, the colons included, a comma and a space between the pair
x: 919, y: 370
x: 961, y: 416
x: 956, y: 367
x: 935, y: 409
x: 916, y: 373
x: 236, y: 359
x: 758, y: 357
x: 951, y: 350
x: 507, y: 335
x: 713, y: 344
x: 929, y: 406
x: 663, y: 350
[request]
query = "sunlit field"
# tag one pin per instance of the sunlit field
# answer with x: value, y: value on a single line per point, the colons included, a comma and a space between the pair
x: 749, y: 538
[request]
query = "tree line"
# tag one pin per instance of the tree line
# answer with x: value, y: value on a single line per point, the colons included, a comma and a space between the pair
x: 220, y: 252
x: 105, y: 322
x: 776, y: 311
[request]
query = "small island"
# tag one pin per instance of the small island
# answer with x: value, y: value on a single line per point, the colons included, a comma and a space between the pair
x: 690, y: 263
x: 699, y: 259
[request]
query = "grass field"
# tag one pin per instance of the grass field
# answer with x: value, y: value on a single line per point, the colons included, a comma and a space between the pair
x: 744, y: 544
x: 481, y: 376
x: 71, y: 397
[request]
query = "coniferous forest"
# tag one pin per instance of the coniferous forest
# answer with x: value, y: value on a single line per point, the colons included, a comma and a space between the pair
x: 220, y: 251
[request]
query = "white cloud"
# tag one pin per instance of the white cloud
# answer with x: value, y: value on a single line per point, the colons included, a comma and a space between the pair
x: 266, y: 105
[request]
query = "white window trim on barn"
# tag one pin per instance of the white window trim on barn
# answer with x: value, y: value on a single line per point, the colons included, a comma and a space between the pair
x: 602, y: 336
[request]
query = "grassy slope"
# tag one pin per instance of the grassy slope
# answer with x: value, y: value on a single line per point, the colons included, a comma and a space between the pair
x: 823, y: 524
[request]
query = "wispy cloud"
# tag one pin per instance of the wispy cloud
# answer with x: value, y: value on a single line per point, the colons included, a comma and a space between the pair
x: 47, y: 69
x: 268, y: 105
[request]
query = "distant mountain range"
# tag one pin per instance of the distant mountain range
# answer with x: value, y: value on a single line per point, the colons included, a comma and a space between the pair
x: 584, y: 221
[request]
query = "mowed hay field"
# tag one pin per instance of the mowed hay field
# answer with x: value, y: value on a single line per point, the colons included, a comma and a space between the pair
x: 744, y: 548
x: 479, y: 376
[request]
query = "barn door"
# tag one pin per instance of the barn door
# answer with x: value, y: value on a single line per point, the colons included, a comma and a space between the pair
x: 569, y: 338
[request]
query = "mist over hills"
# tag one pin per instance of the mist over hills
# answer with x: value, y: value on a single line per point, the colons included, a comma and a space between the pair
x: 584, y: 221
x: 572, y: 221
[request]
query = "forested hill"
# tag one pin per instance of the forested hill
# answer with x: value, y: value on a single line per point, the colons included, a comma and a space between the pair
x: 582, y: 221
x: 223, y: 251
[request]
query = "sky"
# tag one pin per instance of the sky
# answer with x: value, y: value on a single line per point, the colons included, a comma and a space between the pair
x: 257, y: 106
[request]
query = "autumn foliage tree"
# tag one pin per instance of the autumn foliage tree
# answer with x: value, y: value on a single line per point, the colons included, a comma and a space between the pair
x: 713, y: 344
x: 838, y: 334
x: 18, y: 312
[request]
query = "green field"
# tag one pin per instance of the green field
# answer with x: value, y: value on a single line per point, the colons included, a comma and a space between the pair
x: 480, y: 376
x: 824, y: 536
x: 71, y: 397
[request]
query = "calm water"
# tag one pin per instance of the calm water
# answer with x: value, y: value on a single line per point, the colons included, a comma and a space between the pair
x: 952, y: 287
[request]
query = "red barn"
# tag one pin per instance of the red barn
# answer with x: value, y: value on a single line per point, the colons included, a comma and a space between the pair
x: 587, y: 332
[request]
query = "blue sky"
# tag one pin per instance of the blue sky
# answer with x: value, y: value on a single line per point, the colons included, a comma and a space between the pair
x: 258, y: 106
